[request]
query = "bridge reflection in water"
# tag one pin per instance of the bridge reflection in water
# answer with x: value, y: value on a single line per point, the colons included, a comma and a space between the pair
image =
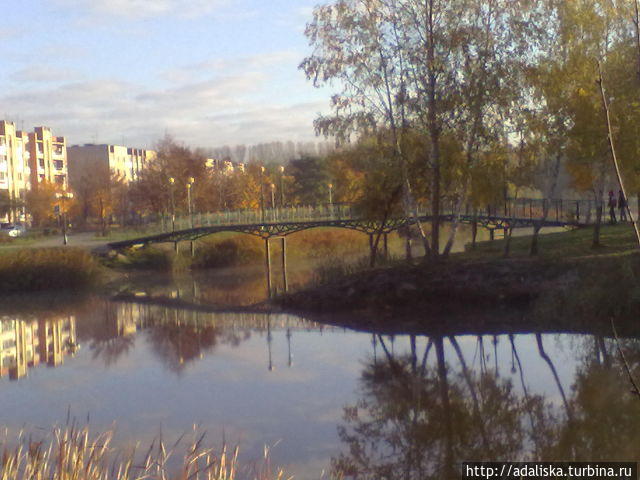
x: 422, y: 403
x: 182, y: 335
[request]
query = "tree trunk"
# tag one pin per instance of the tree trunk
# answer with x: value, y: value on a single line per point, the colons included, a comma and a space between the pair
x: 435, y: 199
x: 456, y: 222
x: 446, y: 406
x: 507, y: 243
x: 533, y: 251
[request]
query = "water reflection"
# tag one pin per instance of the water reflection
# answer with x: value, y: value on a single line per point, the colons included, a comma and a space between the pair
x: 416, y: 406
x: 25, y: 344
x: 180, y: 336
x: 420, y: 419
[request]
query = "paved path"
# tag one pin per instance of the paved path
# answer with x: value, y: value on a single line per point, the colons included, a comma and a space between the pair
x: 86, y: 240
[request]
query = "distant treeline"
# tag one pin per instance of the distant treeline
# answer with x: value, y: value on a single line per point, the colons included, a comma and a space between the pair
x: 272, y: 152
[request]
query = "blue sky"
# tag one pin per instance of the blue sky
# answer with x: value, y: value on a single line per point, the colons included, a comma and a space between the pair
x: 208, y: 72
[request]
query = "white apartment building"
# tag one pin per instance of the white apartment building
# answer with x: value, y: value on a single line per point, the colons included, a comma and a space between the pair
x: 15, y: 173
x: 104, y: 160
x: 48, y: 158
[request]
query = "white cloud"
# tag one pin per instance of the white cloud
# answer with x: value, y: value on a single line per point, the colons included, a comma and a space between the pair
x: 6, y: 33
x: 231, y: 109
x: 288, y: 59
x: 143, y: 8
x: 41, y: 74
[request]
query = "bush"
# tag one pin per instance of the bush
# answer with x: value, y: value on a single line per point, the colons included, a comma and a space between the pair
x: 146, y: 258
x: 320, y: 243
x: 31, y: 270
x: 218, y: 252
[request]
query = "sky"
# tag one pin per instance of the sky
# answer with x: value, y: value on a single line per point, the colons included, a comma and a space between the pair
x: 207, y: 72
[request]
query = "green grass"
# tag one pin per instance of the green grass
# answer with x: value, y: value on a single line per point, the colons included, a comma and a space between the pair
x: 575, y: 243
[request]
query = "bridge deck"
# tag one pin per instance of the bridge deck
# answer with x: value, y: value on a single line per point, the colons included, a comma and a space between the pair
x: 268, y: 229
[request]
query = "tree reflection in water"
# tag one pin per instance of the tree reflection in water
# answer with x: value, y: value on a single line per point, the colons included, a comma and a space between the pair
x: 176, y: 337
x: 420, y: 420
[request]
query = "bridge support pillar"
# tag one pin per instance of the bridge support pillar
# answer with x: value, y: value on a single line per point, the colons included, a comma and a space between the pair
x: 492, y: 234
x: 285, y: 283
x: 193, y: 249
x: 268, y: 265
x: 407, y: 247
x: 176, y: 247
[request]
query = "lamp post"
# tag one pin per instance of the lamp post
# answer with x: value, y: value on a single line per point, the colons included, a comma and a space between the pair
x: 190, y: 183
x: 172, y: 182
x: 262, y: 194
x: 330, y: 185
x: 281, y: 186
x: 63, y: 196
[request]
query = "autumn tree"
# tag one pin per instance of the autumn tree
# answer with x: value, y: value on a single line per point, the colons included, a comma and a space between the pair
x: 441, y: 68
x: 41, y: 203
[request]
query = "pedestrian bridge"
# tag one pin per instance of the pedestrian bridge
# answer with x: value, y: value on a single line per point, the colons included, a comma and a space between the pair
x: 280, y: 222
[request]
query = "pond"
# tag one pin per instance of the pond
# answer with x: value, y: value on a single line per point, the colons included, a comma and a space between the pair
x: 400, y: 406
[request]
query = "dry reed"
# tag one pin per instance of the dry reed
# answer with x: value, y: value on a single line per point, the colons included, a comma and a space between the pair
x: 72, y: 452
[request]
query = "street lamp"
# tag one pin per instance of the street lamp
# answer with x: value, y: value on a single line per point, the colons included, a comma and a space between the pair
x: 281, y: 186
x: 262, y: 194
x: 330, y: 185
x: 189, y: 186
x: 63, y: 196
x: 172, y: 181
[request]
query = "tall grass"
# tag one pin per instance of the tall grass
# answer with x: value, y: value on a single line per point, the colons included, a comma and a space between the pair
x: 320, y: 243
x: 31, y: 270
x: 219, y: 251
x: 146, y: 258
x: 74, y: 453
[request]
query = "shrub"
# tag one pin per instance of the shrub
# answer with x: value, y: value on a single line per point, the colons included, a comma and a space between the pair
x: 218, y: 252
x: 30, y: 270
x: 327, y: 242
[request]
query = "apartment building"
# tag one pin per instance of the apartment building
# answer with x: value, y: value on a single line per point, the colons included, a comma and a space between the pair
x: 126, y: 162
x: 14, y: 167
x: 48, y: 158
x: 225, y: 166
x: 25, y: 344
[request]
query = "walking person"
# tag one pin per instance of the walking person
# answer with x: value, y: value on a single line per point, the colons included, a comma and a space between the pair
x: 622, y: 206
x: 612, y: 208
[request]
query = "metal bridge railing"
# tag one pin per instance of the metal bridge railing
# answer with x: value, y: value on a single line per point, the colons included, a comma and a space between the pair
x: 559, y: 210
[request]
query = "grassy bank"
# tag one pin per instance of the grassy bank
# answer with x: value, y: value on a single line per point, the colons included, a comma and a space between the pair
x: 566, y: 280
x: 33, y: 270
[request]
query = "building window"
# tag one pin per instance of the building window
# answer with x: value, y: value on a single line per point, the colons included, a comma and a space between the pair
x: 3, y: 176
x: 59, y: 164
x: 41, y: 176
x: 60, y: 179
x: 41, y: 162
